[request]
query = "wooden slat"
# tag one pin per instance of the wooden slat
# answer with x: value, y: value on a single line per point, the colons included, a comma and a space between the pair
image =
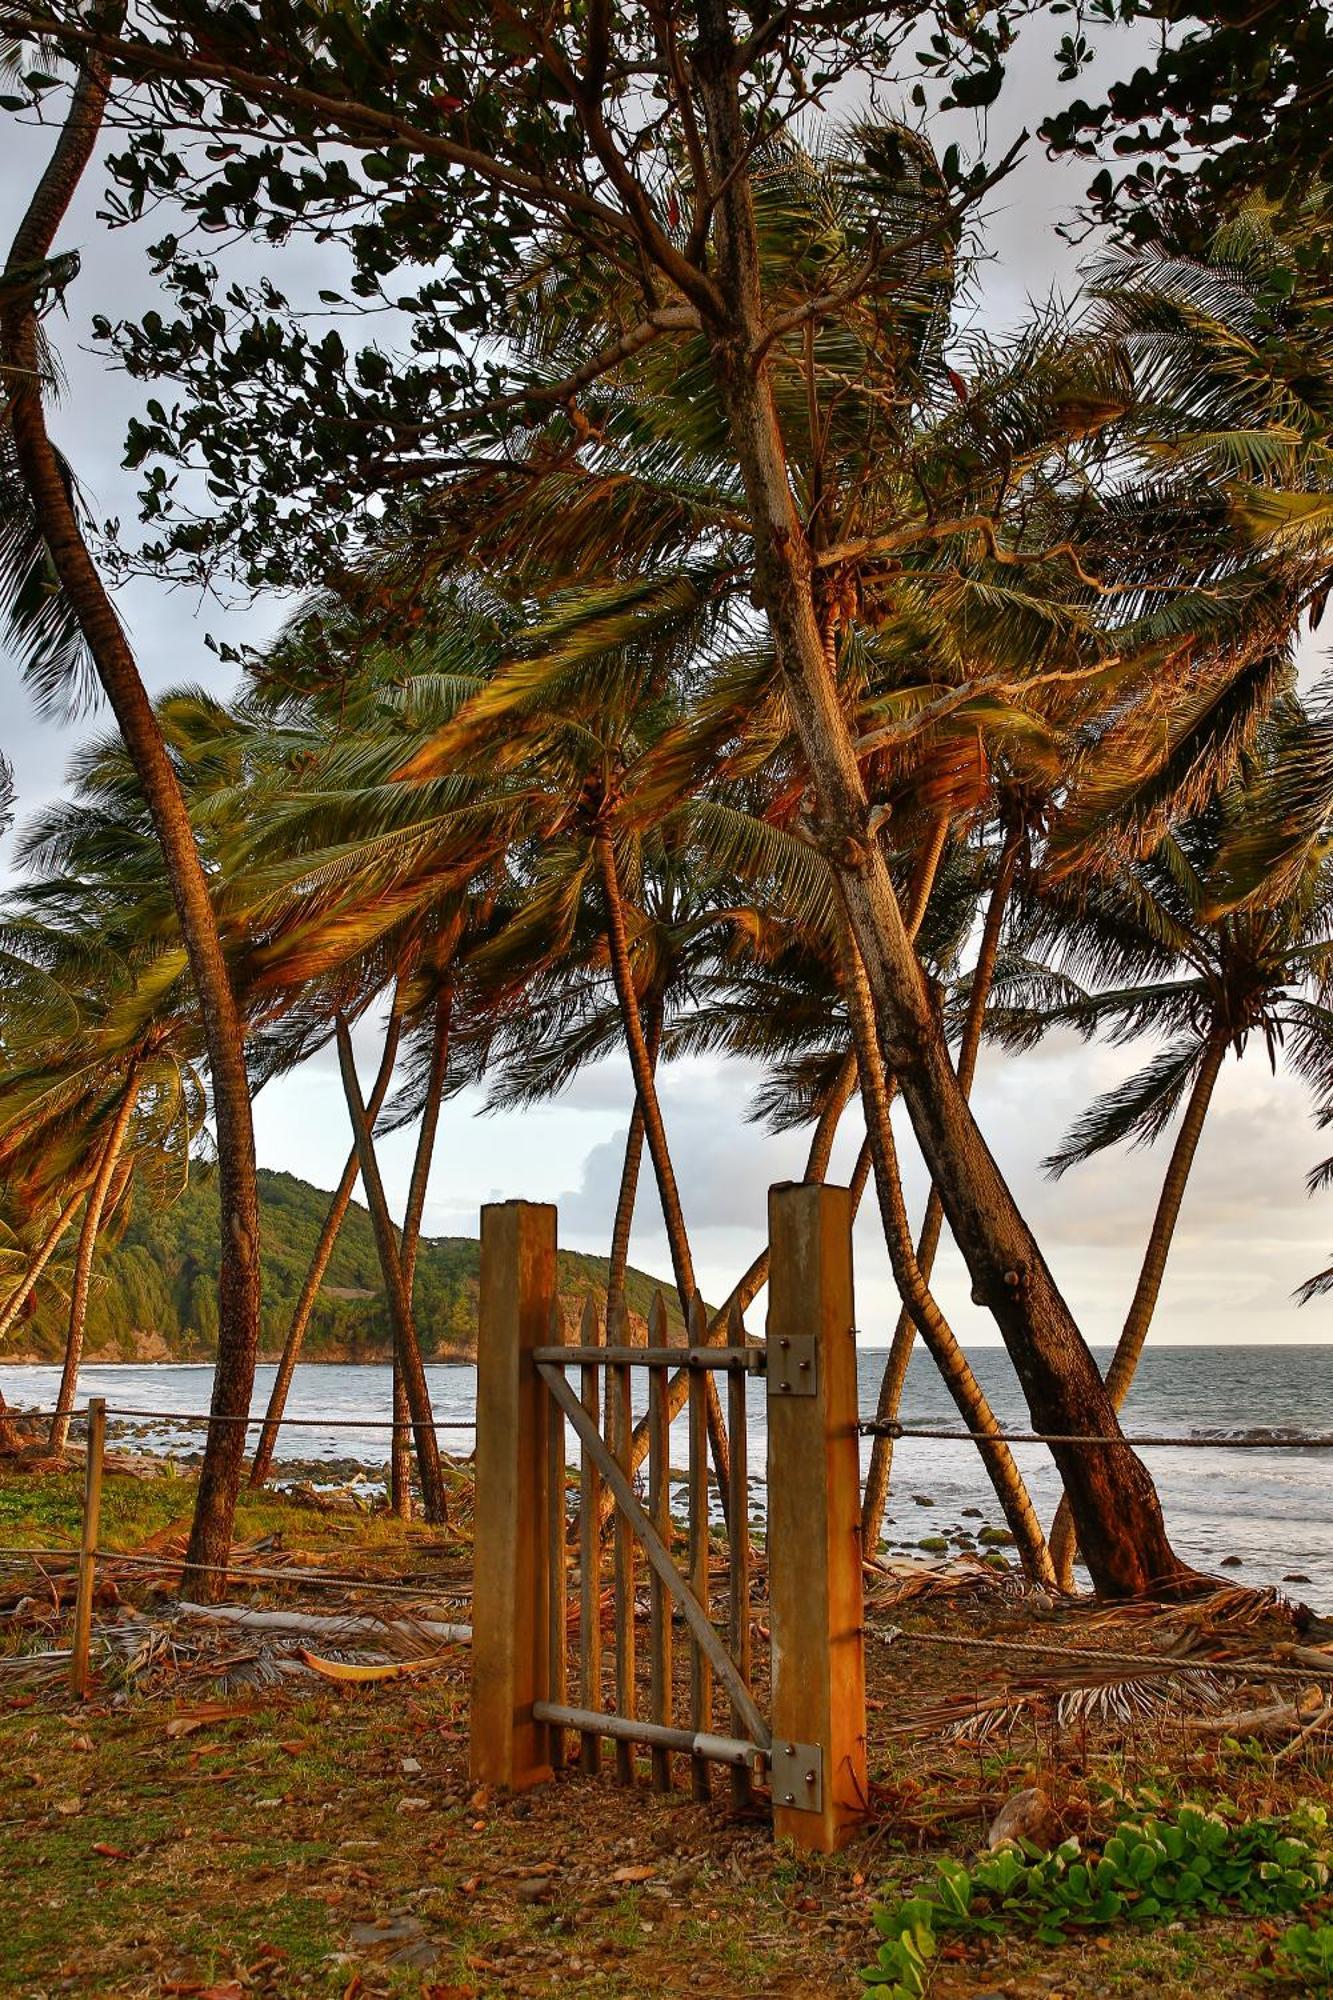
x: 659, y: 1509
x: 620, y: 1425
x: 738, y: 1515
x: 756, y: 1728
x: 590, y: 1548
x: 80, y: 1659
x: 701, y: 1679
x: 557, y: 1561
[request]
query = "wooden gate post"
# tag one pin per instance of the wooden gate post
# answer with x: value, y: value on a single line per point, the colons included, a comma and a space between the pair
x: 814, y: 1521
x: 510, y: 1632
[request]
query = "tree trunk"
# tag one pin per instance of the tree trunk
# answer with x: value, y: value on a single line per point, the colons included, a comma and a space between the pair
x: 682, y: 1264
x: 1138, y: 1319
x: 83, y: 1262
x: 400, y: 1448
x: 41, y: 1257
x: 1115, y: 1504
x: 400, y: 1481
x: 53, y: 507
x: 629, y: 1175
x: 407, y: 1351
x: 319, y: 1263
x: 904, y: 1333
x: 969, y: 1398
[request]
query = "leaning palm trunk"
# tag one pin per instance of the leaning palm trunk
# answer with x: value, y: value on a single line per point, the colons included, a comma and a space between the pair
x: 400, y: 1484
x: 904, y: 1333
x: 319, y: 1264
x: 645, y: 1085
x: 50, y: 494
x: 621, y: 1230
x: 1134, y: 1333
x: 969, y: 1398
x: 1114, y: 1500
x: 94, y: 1210
x: 41, y: 1257
x: 400, y: 1311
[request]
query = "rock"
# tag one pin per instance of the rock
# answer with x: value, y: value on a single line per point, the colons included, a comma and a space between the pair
x: 1028, y: 1815
x: 995, y: 1538
x: 536, y: 1889
x: 934, y: 1545
x: 1296, y: 1576
x: 923, y: 1500
x: 1229, y: 1562
x: 973, y: 1514
x: 385, y: 1930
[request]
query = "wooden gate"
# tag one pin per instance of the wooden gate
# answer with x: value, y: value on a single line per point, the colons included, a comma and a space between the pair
x: 799, y: 1726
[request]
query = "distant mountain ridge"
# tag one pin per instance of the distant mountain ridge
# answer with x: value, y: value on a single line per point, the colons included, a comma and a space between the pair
x: 154, y: 1293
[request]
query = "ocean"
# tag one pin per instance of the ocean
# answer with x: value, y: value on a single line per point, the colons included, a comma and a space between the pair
x: 1269, y: 1510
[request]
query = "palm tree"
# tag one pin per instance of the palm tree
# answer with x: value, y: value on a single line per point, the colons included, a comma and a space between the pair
x: 75, y: 627
x: 1154, y: 950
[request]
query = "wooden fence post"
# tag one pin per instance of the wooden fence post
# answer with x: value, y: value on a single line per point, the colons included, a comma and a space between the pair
x: 80, y: 1659
x: 814, y: 1521
x: 510, y: 1610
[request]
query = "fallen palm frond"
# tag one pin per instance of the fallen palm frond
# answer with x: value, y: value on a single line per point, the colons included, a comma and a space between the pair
x: 1232, y: 1608
x: 895, y: 1581
x: 1069, y: 1697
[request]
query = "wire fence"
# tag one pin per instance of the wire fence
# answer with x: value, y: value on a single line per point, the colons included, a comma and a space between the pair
x: 1238, y: 1441
x: 202, y: 1419
x: 90, y: 1552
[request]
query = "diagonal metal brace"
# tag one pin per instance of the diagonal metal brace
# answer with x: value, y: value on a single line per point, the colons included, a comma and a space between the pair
x: 657, y: 1553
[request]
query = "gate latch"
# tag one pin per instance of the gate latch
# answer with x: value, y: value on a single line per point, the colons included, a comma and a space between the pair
x: 792, y: 1365
x: 798, y: 1776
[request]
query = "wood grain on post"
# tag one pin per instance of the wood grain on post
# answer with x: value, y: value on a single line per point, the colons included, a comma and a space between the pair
x: 557, y: 1565
x: 80, y: 1659
x: 701, y: 1672
x: 620, y: 1435
x: 814, y: 1518
x: 511, y: 1666
x: 659, y: 1508
x: 590, y: 1551
x: 738, y: 1538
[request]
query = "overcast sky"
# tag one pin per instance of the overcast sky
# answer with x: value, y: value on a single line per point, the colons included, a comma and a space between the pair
x: 1248, y: 1233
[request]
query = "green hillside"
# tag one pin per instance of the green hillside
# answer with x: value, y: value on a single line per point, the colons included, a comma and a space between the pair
x: 155, y: 1293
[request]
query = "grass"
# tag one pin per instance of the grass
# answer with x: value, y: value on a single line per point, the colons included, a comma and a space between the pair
x: 255, y: 1854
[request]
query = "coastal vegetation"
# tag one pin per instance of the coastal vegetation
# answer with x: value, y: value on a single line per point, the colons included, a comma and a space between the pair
x: 701, y: 639
x: 154, y: 1293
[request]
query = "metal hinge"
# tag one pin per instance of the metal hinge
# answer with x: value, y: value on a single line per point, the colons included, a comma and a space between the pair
x: 793, y: 1366
x: 797, y: 1776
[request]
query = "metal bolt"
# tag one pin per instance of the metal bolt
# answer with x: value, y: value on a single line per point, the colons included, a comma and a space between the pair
x: 789, y: 1798
x: 791, y: 1749
x: 784, y: 1386
x: 803, y: 1364
x: 784, y: 1342
x: 809, y: 1777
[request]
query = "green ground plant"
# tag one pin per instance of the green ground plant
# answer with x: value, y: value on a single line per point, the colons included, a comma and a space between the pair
x: 1305, y: 1953
x: 1151, y: 1870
